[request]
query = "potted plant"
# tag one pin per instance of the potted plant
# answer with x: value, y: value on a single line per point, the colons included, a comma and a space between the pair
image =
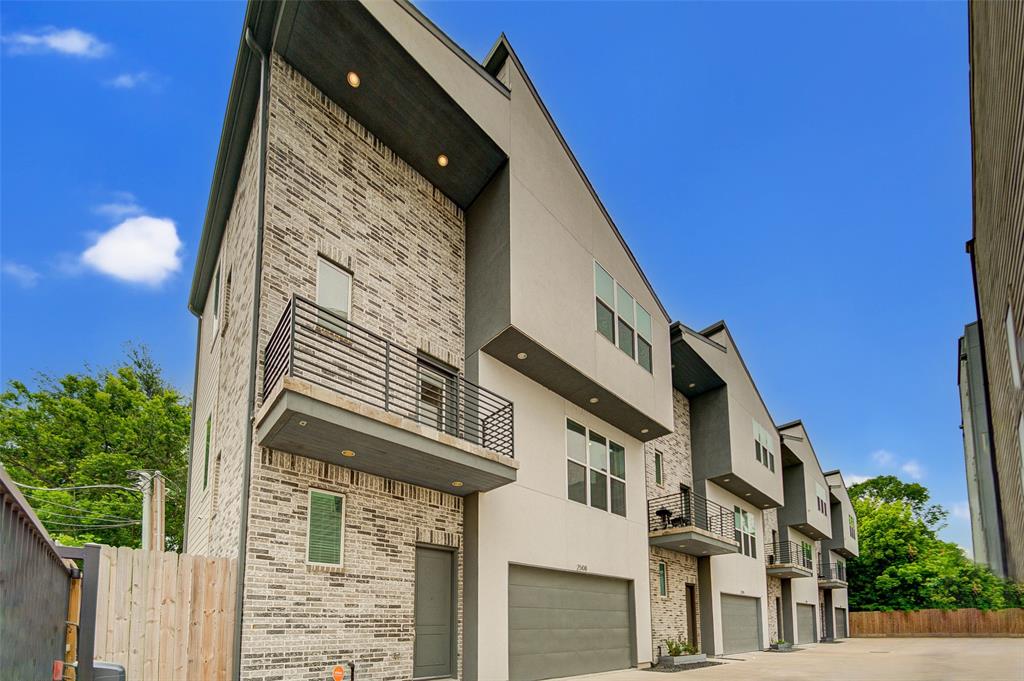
x: 681, y: 653
x: 781, y: 644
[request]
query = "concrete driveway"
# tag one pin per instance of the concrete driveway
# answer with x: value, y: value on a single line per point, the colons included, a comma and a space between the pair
x: 863, y: 659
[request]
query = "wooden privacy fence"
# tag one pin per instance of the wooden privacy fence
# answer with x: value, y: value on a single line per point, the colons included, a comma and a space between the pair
x: 964, y: 622
x: 165, y: 615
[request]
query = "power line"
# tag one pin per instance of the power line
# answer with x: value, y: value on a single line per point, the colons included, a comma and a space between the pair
x: 41, y: 500
x: 45, y: 513
x: 95, y: 527
x: 67, y: 489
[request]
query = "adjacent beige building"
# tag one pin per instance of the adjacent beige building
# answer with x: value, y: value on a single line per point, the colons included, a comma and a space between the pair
x: 441, y: 417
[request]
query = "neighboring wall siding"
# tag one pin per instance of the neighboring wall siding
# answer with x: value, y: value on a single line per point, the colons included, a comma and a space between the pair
x: 301, y: 620
x: 669, y: 618
x: 224, y: 355
x: 997, y: 75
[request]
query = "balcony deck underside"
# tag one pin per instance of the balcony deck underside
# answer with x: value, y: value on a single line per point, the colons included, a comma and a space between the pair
x: 692, y: 541
x: 788, y: 570
x: 831, y: 583
x: 384, y: 443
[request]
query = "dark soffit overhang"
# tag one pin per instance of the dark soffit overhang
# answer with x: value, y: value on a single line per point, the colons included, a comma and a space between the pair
x: 691, y: 375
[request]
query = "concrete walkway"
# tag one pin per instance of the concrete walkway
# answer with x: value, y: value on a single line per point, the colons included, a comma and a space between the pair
x: 863, y: 659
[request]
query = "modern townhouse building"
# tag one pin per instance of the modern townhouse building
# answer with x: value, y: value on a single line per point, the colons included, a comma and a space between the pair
x: 709, y: 485
x: 427, y: 364
x: 992, y: 353
x: 835, y: 552
x: 440, y: 416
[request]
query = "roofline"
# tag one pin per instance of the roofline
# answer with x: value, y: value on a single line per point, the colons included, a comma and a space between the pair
x: 834, y: 472
x: 683, y: 328
x: 787, y: 426
x: 260, y: 18
x: 722, y: 326
x: 494, y: 58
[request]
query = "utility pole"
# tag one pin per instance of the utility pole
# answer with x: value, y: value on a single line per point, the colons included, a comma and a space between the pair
x: 154, y: 494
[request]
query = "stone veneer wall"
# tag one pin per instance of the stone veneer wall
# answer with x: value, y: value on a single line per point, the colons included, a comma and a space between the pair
x: 668, y: 613
x: 223, y: 378
x: 335, y: 190
x: 301, y: 619
x: 774, y: 592
x: 676, y: 457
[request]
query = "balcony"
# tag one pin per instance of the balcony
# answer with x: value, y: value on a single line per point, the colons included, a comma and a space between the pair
x: 689, y: 523
x: 831, y: 575
x: 339, y: 393
x: 787, y: 559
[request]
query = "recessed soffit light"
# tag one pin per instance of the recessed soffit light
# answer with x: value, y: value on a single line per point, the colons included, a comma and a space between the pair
x: 747, y: 494
x: 442, y: 160
x: 302, y: 424
x: 594, y: 400
x: 521, y: 355
x: 645, y: 430
x: 457, y: 483
x: 693, y: 385
x: 348, y: 452
x: 353, y: 79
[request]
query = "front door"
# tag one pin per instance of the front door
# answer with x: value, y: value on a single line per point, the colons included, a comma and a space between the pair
x: 432, y: 653
x: 691, y: 615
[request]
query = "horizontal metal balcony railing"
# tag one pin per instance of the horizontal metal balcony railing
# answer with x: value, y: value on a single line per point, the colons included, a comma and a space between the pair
x: 832, y: 571
x: 782, y: 552
x: 686, y: 509
x: 317, y: 345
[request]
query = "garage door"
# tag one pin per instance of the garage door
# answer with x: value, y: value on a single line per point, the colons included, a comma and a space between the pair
x: 804, y: 623
x: 564, y: 623
x: 741, y: 624
x: 841, y: 623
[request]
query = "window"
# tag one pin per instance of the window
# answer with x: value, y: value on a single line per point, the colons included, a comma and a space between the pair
x: 808, y: 553
x: 226, y: 314
x: 206, y: 455
x: 763, y: 447
x: 662, y: 580
x: 604, y: 287
x: 596, y: 473
x: 622, y: 320
x: 822, y: 499
x: 216, y: 298
x: 657, y: 467
x: 852, y: 521
x: 325, y: 528
x: 334, y: 294
x: 745, y: 532
x: 1013, y: 347
x: 434, y: 404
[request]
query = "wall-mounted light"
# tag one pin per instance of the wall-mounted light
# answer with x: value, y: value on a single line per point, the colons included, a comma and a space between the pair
x: 353, y: 79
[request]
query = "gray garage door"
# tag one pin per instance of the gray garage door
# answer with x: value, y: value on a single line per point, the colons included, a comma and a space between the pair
x: 741, y: 624
x: 564, y: 623
x: 804, y: 623
x: 841, y: 623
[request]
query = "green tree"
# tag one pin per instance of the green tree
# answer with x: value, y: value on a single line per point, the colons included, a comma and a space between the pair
x: 90, y: 430
x: 903, y: 565
x: 887, y: 488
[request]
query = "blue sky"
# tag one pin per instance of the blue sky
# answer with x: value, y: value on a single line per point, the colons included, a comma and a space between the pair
x: 799, y: 169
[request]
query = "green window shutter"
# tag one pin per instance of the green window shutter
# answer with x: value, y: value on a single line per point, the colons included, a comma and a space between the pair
x: 206, y: 455
x: 325, y: 527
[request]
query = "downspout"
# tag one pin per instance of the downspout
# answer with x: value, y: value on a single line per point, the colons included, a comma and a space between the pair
x: 192, y: 434
x: 261, y: 181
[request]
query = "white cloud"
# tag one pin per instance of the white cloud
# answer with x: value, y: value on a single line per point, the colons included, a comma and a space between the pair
x: 68, y: 41
x: 883, y: 458
x: 23, y: 274
x: 961, y: 510
x: 129, y: 81
x: 913, y: 469
x: 122, y: 205
x: 853, y: 478
x: 141, y: 250
x: 968, y: 551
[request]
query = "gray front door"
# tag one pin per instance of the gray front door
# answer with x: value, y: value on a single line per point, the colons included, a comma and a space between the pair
x: 841, y: 623
x: 566, y: 623
x: 432, y: 653
x: 741, y: 624
x: 804, y: 623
